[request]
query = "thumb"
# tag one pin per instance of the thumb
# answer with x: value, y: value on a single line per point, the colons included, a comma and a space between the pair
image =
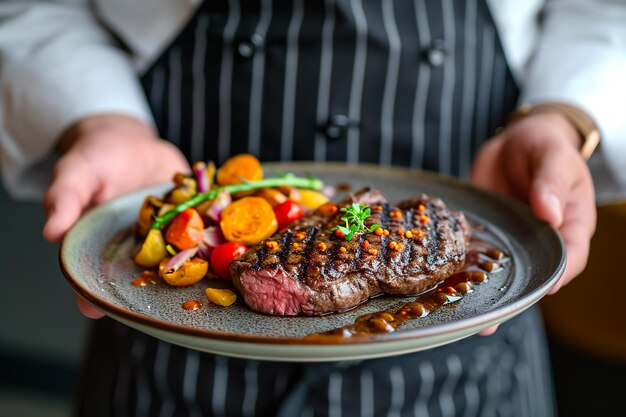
x: 550, y: 188
x: 86, y: 309
x: 547, y: 203
x: 70, y: 193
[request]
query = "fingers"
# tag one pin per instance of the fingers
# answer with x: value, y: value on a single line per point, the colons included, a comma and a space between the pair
x: 534, y: 160
x: 487, y: 170
x: 558, y: 177
x: 86, y: 309
x: 550, y: 188
x: 176, y: 161
x: 489, y: 330
x: 70, y: 193
x: 577, y: 228
x: 562, y: 194
x: 101, y: 167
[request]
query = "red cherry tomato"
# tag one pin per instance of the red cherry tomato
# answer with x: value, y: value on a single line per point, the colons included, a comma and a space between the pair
x: 287, y: 212
x: 222, y: 256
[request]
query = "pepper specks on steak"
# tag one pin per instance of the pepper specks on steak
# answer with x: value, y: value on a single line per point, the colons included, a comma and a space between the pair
x: 311, y: 271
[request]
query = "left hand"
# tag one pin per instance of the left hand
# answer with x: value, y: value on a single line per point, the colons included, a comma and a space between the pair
x: 537, y: 161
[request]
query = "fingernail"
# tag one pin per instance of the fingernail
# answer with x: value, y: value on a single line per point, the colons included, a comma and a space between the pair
x: 554, y: 202
x: 555, y: 205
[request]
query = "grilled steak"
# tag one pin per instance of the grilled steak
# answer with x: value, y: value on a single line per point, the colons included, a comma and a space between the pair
x: 304, y: 270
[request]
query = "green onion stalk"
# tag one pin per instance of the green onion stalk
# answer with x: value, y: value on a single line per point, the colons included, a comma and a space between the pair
x: 286, y: 180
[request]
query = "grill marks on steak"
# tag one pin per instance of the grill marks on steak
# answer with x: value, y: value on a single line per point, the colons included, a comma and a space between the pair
x: 304, y: 259
x: 300, y: 278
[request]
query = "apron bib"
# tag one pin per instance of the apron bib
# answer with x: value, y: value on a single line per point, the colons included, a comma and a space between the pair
x: 414, y: 83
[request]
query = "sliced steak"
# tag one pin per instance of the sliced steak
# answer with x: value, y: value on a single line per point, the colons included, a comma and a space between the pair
x: 311, y: 271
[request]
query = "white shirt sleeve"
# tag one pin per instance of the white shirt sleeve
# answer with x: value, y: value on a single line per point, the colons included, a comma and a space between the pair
x: 57, y: 65
x: 580, y: 58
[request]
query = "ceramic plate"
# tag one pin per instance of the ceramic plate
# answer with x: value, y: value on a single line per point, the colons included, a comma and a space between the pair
x: 95, y: 259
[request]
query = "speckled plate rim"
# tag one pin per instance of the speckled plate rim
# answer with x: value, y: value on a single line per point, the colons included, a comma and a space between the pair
x: 429, y: 335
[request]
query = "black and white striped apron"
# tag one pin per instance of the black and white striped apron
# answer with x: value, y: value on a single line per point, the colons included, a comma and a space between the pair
x: 416, y: 83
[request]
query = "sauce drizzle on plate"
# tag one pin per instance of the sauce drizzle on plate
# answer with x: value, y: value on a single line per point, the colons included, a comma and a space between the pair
x: 192, y: 305
x: 146, y: 278
x: 481, y: 260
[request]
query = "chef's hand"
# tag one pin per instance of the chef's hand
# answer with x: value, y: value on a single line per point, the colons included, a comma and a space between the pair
x: 537, y: 161
x: 104, y: 156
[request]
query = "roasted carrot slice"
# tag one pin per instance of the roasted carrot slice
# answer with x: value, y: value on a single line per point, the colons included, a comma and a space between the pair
x: 185, y: 231
x: 238, y: 167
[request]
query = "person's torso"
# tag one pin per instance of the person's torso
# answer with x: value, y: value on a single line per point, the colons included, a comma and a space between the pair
x: 417, y: 83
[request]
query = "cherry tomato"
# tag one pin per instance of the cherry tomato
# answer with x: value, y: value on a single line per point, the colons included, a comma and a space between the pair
x: 222, y: 256
x: 287, y: 212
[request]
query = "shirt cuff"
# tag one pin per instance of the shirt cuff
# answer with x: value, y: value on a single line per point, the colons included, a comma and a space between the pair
x: 74, y: 75
x: 581, y: 60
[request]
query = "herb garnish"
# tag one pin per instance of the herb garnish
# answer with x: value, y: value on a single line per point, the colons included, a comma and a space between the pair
x: 355, y: 221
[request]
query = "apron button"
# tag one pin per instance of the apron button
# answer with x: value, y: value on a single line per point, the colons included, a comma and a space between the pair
x: 246, y: 48
x: 337, y: 126
x: 436, y: 53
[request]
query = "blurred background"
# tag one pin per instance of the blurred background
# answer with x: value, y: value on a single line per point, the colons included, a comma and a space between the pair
x: 42, y: 332
x: 586, y: 323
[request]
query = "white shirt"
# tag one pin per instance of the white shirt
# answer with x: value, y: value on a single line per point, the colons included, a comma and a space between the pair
x: 58, y: 64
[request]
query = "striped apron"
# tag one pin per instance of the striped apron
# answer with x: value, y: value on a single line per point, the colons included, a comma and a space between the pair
x: 416, y: 83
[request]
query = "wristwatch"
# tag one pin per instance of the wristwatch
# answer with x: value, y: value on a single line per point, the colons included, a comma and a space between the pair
x: 581, y: 121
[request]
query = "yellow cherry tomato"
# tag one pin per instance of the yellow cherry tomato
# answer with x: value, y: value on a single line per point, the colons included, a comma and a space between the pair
x: 248, y: 221
x: 240, y: 166
x: 188, y: 273
x: 221, y: 297
x: 312, y: 199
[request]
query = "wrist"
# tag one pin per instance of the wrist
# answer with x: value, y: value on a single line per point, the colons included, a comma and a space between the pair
x: 581, y: 128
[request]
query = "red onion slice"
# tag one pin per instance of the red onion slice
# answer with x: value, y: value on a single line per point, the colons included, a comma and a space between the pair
x: 213, y: 236
x: 204, y: 251
x: 329, y: 191
x: 202, y: 179
x: 179, y: 259
x: 222, y: 201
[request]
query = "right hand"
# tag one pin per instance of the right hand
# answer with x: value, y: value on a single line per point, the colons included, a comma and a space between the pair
x: 104, y: 156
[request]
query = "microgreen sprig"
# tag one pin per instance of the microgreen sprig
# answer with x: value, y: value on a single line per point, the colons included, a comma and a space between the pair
x: 354, y: 219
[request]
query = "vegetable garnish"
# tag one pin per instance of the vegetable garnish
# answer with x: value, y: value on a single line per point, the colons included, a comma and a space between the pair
x: 287, y: 213
x: 248, y: 220
x: 223, y: 255
x: 180, y: 258
x: 221, y: 297
x: 186, y: 231
x: 355, y: 217
x: 287, y: 180
x: 202, y: 178
x: 170, y: 249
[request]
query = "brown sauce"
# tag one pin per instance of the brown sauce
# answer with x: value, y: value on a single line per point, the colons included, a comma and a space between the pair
x: 480, y: 261
x: 192, y: 305
x: 146, y: 278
